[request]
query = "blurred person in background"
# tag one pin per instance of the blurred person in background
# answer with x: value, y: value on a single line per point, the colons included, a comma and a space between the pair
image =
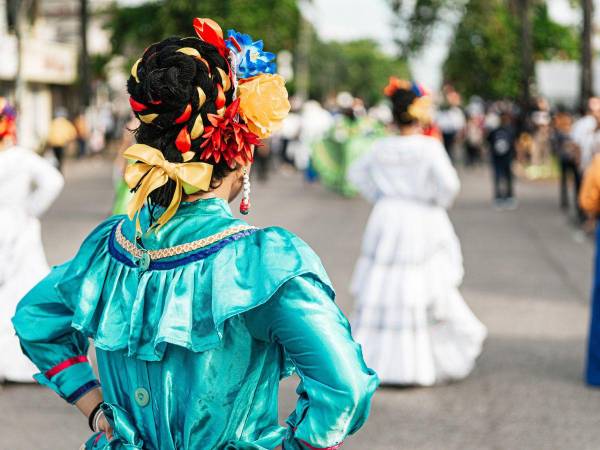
x: 83, y: 135
x: 501, y: 141
x: 567, y: 153
x: 541, y: 150
x: 474, y: 131
x: 589, y: 200
x: 29, y: 184
x: 196, y: 315
x: 61, y: 133
x: 413, y: 324
x: 450, y: 119
x: 585, y: 133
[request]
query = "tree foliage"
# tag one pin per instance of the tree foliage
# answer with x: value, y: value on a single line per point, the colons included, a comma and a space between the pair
x: 135, y: 27
x: 359, y: 67
x: 484, y: 55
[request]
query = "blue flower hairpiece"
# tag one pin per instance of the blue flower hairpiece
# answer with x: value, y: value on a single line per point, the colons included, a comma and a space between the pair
x: 249, y: 57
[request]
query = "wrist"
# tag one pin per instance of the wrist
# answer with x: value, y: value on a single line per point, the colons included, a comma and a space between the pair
x: 94, y: 417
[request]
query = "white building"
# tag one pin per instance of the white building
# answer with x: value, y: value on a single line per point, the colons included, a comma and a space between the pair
x: 52, y: 46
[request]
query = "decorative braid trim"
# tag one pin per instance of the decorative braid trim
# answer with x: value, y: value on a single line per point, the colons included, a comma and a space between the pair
x: 163, y: 253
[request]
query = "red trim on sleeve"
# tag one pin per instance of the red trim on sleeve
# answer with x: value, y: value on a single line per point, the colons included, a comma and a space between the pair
x: 66, y: 364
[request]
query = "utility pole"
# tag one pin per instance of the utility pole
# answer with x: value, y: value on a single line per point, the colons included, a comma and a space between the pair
x: 21, y: 9
x: 586, y: 86
x: 84, y: 60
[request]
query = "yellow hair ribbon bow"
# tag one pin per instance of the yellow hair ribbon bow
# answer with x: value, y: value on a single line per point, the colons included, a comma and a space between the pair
x: 152, y: 171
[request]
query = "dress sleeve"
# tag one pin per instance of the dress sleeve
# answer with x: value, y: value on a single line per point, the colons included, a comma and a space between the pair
x: 360, y: 174
x: 43, y: 325
x: 444, y: 177
x: 336, y: 386
x: 48, y: 184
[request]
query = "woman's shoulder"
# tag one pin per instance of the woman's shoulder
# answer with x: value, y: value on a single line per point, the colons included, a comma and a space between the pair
x: 281, y: 254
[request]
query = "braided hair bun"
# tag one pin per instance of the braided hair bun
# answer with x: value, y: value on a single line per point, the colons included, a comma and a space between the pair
x: 173, y: 88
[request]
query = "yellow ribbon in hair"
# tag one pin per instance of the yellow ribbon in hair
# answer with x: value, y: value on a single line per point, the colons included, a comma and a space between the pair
x: 152, y: 171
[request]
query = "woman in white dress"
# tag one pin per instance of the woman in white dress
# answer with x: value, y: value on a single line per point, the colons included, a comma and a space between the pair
x: 28, y: 186
x: 411, y: 319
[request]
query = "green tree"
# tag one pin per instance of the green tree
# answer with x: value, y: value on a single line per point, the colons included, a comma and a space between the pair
x: 359, y: 67
x: 484, y: 56
x: 135, y: 27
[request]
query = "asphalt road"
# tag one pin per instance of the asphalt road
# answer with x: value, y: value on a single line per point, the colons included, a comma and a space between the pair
x: 527, y: 278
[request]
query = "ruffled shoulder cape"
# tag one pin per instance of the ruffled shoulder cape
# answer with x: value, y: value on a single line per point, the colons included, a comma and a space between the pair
x: 186, y: 301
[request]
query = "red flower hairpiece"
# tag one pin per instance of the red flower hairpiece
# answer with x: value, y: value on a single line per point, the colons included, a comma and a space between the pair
x: 209, y: 31
x: 228, y: 139
x: 394, y: 84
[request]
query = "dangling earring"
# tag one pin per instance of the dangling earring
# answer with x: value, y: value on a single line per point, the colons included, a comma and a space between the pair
x: 245, y: 203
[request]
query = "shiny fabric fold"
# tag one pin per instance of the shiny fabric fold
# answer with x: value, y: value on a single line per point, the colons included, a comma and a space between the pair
x: 191, y: 357
x: 124, y: 307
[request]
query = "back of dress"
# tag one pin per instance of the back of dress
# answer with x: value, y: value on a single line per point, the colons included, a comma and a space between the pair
x: 414, y: 168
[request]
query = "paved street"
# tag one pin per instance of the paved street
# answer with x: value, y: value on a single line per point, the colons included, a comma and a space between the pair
x: 527, y: 278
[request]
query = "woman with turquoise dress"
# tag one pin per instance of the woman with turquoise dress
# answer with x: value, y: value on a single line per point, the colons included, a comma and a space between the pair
x: 196, y: 315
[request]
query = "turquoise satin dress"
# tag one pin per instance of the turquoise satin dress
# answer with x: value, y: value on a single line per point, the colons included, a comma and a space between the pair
x: 191, y: 347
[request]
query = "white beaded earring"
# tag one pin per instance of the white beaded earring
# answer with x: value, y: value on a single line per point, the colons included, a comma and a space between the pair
x: 245, y: 203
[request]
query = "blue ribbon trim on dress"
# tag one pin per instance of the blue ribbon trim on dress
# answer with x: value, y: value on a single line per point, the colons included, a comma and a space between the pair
x: 82, y: 391
x: 171, y: 264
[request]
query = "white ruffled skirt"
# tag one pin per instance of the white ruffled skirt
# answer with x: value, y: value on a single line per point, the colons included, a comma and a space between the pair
x: 414, y: 326
x: 22, y: 265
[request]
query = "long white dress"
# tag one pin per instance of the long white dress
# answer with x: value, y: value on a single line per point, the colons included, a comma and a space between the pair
x: 413, y: 323
x: 28, y: 186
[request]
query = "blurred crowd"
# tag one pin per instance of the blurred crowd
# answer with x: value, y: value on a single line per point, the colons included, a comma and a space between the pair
x: 544, y: 143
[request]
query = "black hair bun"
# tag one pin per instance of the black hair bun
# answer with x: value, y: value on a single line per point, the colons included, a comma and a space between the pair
x: 173, y: 87
x: 401, y: 100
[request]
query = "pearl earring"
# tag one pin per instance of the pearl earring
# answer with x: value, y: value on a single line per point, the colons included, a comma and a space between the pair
x: 245, y: 203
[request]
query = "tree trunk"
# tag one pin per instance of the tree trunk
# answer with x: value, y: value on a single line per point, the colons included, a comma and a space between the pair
x: 586, y: 87
x: 84, y: 62
x: 526, y: 55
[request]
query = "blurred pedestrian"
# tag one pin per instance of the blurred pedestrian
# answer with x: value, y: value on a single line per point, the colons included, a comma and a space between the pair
x: 28, y: 186
x: 501, y: 142
x: 567, y: 154
x: 450, y: 119
x: 586, y: 135
x: 196, y: 315
x: 413, y: 324
x: 62, y: 132
x: 589, y: 200
x: 83, y: 135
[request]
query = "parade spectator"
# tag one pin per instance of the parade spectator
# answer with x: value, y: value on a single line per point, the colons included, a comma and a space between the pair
x: 589, y: 199
x: 566, y: 152
x: 83, y: 135
x: 450, y: 119
x: 62, y: 132
x: 585, y: 133
x: 29, y: 184
x: 501, y: 142
x: 413, y: 324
